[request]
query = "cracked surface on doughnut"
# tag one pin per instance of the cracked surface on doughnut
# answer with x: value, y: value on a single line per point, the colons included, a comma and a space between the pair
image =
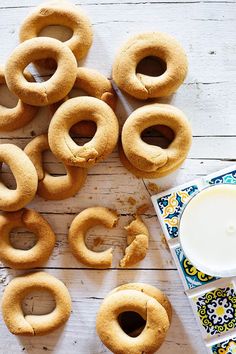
x: 39, y: 253
x: 32, y: 325
x: 141, y: 46
x: 85, y: 220
x: 54, y: 187
x: 137, y: 240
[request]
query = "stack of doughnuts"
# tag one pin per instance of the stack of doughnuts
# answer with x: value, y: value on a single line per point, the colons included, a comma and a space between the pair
x: 91, y: 116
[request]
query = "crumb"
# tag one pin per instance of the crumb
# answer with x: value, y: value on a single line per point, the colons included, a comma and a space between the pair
x: 142, y: 209
x: 153, y: 187
x: 164, y: 242
x: 90, y: 197
x: 45, y: 348
x: 95, y: 188
x: 32, y: 133
x: 97, y: 241
x: 212, y: 52
x: 132, y: 201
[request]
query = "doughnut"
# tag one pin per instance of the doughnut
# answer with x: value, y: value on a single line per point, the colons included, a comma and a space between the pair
x: 150, y: 161
x: 150, y: 290
x: 99, y: 147
x: 64, y: 14
x: 114, y: 337
x: 47, y: 92
x: 21, y: 114
x: 85, y: 220
x: 34, y: 325
x: 51, y: 187
x: 95, y: 85
x: 25, y: 175
x: 38, y: 254
x: 144, y: 45
x: 137, y: 240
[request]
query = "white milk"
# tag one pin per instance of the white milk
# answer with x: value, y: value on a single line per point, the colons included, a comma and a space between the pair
x: 208, y: 230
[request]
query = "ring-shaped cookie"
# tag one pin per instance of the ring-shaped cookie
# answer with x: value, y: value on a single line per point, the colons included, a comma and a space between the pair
x: 21, y: 114
x: 113, y: 336
x: 145, y: 160
x: 47, y: 92
x: 99, y: 147
x: 143, y: 45
x: 54, y: 187
x: 150, y: 290
x: 85, y: 220
x: 25, y: 175
x: 64, y: 14
x: 34, y: 325
x: 35, y: 256
x: 95, y: 85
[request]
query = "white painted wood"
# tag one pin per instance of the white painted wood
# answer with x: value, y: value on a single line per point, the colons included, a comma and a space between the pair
x: 207, y: 31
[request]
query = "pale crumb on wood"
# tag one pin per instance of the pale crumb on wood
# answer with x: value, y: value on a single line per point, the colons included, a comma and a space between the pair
x: 142, y: 209
x: 164, y: 242
x: 97, y: 241
x: 153, y: 187
x: 132, y: 201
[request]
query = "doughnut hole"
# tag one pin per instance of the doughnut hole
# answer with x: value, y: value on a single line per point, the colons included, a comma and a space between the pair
x: 151, y: 66
x: 85, y: 129
x: 38, y: 302
x: 22, y: 239
x: 7, y: 98
x: 131, y: 323
x: 7, y: 177
x: 99, y: 239
x: 159, y: 135
x: 53, y: 166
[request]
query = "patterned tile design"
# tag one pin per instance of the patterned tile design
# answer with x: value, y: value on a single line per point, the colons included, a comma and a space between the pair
x: 229, y: 177
x: 192, y: 275
x: 226, y: 347
x: 216, y: 310
x: 171, y: 206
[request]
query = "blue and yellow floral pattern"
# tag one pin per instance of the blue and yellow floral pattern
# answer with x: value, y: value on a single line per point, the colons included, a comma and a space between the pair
x: 229, y: 177
x: 217, y: 310
x: 192, y: 275
x: 226, y: 347
x: 171, y: 206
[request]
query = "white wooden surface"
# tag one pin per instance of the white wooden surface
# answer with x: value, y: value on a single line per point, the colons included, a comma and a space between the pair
x: 207, y: 31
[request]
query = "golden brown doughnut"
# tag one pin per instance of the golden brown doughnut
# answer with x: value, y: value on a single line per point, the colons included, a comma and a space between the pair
x: 54, y: 187
x: 137, y: 240
x: 21, y: 114
x: 150, y: 290
x: 64, y: 14
x: 35, y: 256
x: 113, y: 336
x: 85, y: 220
x: 34, y: 325
x: 47, y: 92
x: 99, y: 147
x: 150, y: 161
x: 141, y: 46
x: 95, y: 85
x: 25, y: 175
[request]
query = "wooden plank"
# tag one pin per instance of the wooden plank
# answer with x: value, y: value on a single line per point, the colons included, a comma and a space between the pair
x: 87, y: 289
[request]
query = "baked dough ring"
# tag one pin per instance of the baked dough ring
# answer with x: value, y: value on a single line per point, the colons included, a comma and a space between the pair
x: 47, y: 92
x: 150, y: 290
x: 21, y: 114
x: 95, y: 85
x: 35, y: 256
x: 34, y: 325
x: 51, y: 187
x: 87, y: 219
x: 143, y: 45
x: 26, y: 178
x: 152, y: 161
x: 64, y: 14
x: 137, y: 240
x: 112, y: 335
x: 71, y: 112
